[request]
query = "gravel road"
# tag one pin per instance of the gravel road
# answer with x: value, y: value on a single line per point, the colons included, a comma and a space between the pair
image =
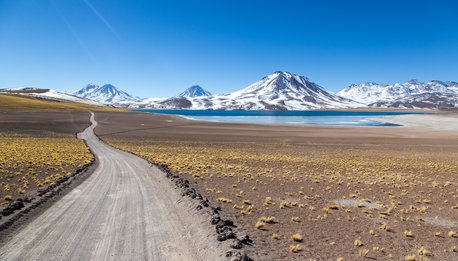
x: 125, y: 210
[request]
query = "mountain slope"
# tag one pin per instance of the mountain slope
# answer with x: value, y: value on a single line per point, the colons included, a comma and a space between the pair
x: 50, y: 94
x: 411, y: 94
x: 195, y: 91
x: 105, y: 94
x: 277, y: 91
x: 289, y: 91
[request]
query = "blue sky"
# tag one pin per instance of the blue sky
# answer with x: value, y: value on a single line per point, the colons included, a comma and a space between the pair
x: 159, y: 48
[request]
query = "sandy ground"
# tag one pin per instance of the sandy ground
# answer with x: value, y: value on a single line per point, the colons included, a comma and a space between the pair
x: 125, y: 210
x: 402, y: 176
x: 444, y: 122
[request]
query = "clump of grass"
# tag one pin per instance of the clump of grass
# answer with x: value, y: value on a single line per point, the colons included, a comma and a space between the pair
x: 408, y: 233
x: 268, y: 201
x: 358, y: 243
x: 296, y: 219
x: 246, y: 201
x: 423, y: 251
x: 295, y: 248
x: 269, y: 220
x: 411, y: 258
x: 335, y: 207
x: 224, y: 200
x: 259, y: 224
x: 238, y: 207
x: 385, y: 227
x: 284, y: 205
x: 297, y: 237
x: 363, y: 252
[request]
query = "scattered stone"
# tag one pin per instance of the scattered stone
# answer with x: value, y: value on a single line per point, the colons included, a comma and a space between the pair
x: 237, y: 244
x: 221, y: 237
x: 7, y: 211
x: 17, y: 205
x: 245, y: 239
x: 237, y: 256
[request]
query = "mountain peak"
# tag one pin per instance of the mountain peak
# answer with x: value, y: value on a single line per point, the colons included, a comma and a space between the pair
x: 106, y: 93
x: 195, y: 91
x: 287, y: 88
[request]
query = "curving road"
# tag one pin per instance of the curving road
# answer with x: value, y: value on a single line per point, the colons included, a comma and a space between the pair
x: 125, y: 210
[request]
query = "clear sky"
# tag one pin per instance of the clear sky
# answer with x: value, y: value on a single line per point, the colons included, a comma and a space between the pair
x: 159, y: 48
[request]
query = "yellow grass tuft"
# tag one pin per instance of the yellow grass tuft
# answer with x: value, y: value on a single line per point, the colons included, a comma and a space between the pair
x: 259, y: 224
x: 411, y: 258
x: 358, y: 243
x: 408, y: 233
x: 363, y: 252
x: 297, y: 237
x: 269, y: 220
x: 423, y: 251
x: 295, y: 248
x: 224, y: 200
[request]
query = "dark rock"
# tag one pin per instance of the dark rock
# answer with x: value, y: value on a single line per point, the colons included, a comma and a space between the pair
x: 245, y: 239
x: 7, y: 211
x: 237, y: 244
x: 216, y: 210
x: 215, y: 219
x: 204, y: 203
x: 17, y: 205
x: 237, y: 256
x: 225, y: 223
x: 223, y: 230
x: 221, y: 237
x: 230, y: 235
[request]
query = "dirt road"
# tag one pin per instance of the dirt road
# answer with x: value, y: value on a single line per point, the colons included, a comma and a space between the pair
x: 125, y: 210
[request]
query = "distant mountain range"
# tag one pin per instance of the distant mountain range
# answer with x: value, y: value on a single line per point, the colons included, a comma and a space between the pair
x: 277, y: 91
x: 411, y: 94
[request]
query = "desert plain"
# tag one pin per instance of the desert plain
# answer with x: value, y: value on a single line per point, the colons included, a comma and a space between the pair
x: 300, y: 192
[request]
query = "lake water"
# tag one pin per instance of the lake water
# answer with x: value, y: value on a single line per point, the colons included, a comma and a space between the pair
x: 316, y: 117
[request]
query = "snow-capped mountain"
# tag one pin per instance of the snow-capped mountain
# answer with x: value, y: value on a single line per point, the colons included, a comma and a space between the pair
x: 284, y: 90
x: 195, y: 91
x: 411, y: 94
x: 50, y: 94
x: 277, y: 91
x: 106, y: 94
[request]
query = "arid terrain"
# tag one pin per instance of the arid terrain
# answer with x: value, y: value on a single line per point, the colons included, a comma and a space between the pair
x: 300, y: 192
x: 321, y: 193
x: 39, y: 145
